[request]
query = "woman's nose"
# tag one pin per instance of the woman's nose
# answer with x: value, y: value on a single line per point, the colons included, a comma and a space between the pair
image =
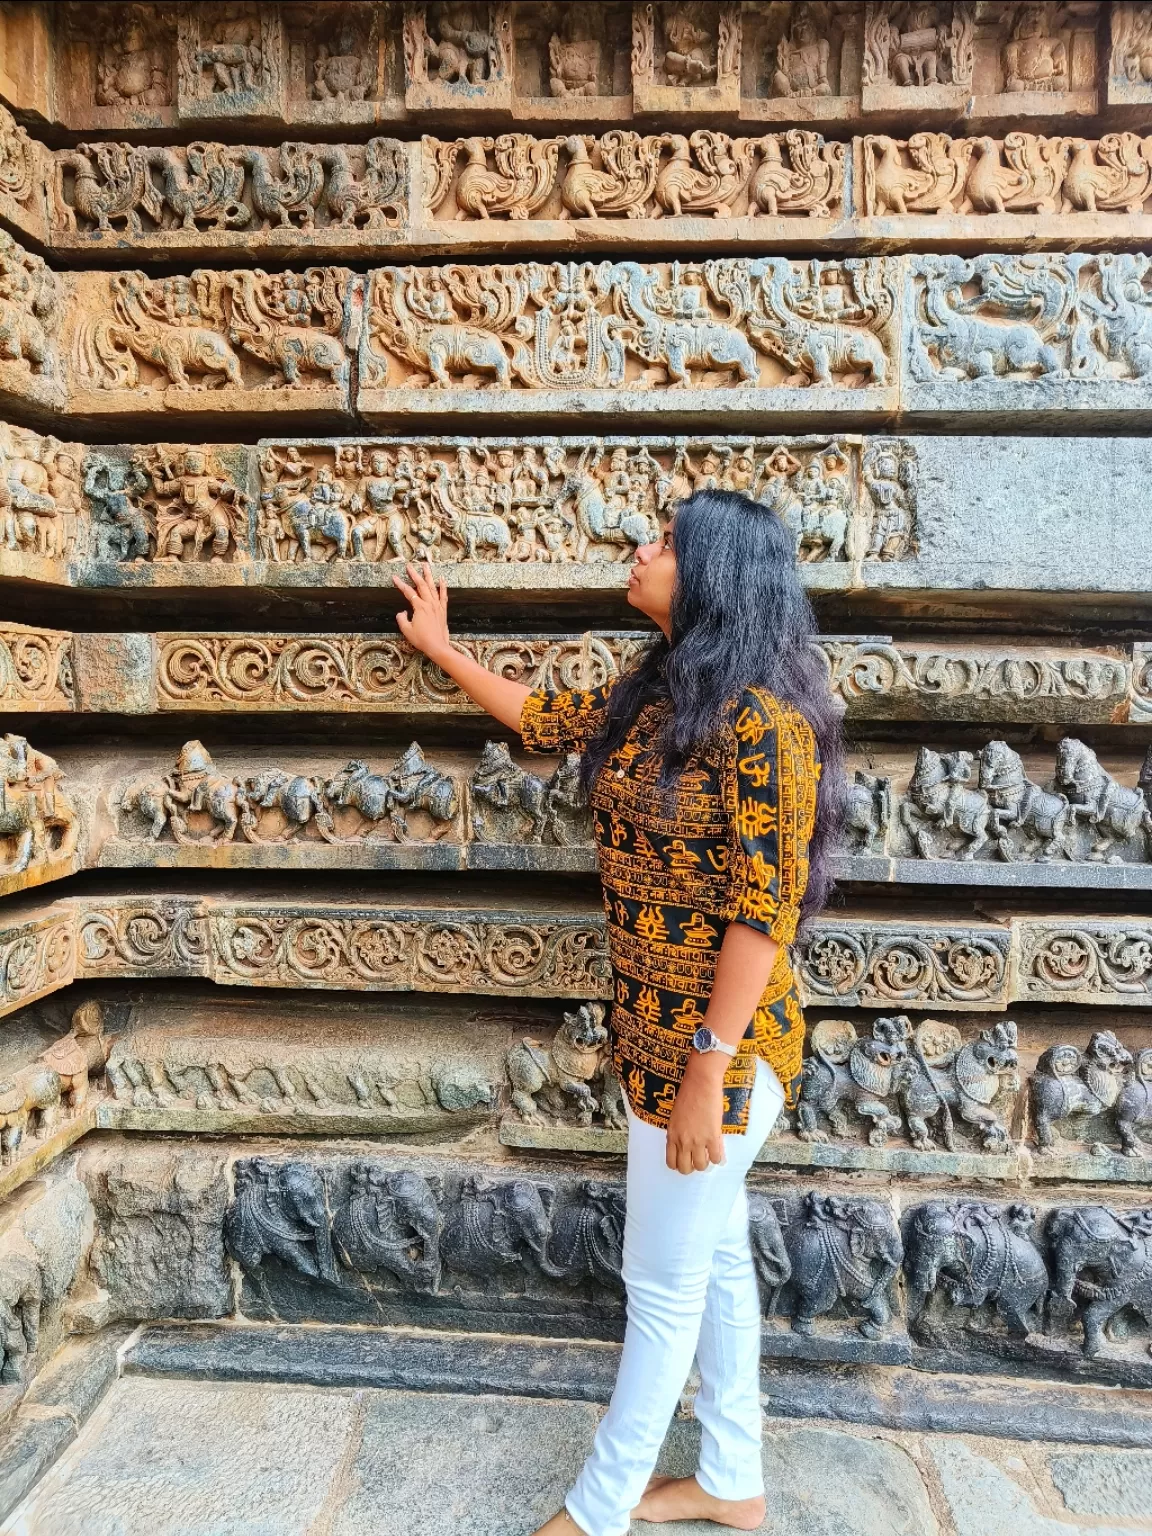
x: 647, y: 552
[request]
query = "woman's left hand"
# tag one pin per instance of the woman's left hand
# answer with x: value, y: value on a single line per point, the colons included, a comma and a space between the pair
x: 695, y: 1134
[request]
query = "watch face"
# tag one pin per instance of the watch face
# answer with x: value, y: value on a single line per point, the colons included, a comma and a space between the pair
x: 704, y: 1039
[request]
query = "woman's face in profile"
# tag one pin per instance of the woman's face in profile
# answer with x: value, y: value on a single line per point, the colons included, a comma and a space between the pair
x: 653, y: 579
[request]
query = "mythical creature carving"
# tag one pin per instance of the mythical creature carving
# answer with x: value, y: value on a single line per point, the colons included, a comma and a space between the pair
x: 280, y: 1211
x: 802, y: 57
x: 943, y: 1076
x: 511, y: 805
x: 1115, y: 813
x: 30, y: 309
x: 493, y: 1225
x: 38, y: 823
x: 1068, y: 1084
x: 390, y: 1221
x: 1033, y: 58
x: 919, y: 44
x: 842, y: 1251
x: 1134, y: 1107
x: 978, y: 1254
x: 845, y: 1070
x: 587, y: 1239
x: 1132, y: 44
x: 1102, y: 1263
x: 135, y: 56
x: 1005, y: 329
x: 867, y: 813
x: 560, y: 1079
x: 1038, y: 818
x: 22, y: 161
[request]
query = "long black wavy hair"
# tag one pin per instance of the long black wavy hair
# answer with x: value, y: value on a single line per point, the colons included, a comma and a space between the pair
x: 739, y: 617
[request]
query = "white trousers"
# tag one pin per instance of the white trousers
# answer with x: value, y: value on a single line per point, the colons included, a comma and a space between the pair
x: 691, y: 1291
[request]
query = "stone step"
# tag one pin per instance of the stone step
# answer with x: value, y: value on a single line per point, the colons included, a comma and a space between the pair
x: 876, y: 341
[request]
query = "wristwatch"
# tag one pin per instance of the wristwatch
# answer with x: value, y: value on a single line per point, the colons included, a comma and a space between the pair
x: 704, y: 1041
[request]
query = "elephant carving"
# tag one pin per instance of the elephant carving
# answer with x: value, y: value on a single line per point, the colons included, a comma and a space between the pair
x: 1103, y: 1263
x: 977, y: 1253
x: 494, y: 1225
x: 843, y: 1250
x: 280, y: 1211
x: 769, y: 1252
x: 390, y: 1222
x: 587, y: 1240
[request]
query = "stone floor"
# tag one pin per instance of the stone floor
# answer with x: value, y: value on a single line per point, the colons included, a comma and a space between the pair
x: 195, y: 1458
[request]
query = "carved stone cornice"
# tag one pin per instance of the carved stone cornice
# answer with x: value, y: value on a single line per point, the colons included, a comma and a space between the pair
x: 548, y: 949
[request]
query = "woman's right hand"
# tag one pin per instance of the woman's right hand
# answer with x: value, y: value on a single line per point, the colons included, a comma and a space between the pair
x: 426, y: 627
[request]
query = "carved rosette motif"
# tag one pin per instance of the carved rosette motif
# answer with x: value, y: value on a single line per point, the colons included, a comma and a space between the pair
x: 884, y: 966
x: 35, y: 669
x: 1089, y: 960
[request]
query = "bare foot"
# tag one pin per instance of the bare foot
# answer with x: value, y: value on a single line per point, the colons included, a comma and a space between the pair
x: 682, y: 1498
x: 561, y: 1525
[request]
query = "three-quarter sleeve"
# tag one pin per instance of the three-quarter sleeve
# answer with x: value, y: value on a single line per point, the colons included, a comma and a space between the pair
x: 562, y: 722
x: 772, y: 791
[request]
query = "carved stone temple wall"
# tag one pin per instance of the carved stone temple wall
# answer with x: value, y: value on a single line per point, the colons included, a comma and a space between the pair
x: 303, y: 989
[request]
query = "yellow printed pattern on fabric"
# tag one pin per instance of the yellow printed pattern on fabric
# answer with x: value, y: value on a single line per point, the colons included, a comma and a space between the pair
x: 729, y: 843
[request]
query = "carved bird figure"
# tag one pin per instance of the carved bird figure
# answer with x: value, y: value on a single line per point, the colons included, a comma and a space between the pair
x: 622, y: 185
x: 519, y: 186
x: 1116, y: 173
x: 1030, y: 181
x: 724, y: 171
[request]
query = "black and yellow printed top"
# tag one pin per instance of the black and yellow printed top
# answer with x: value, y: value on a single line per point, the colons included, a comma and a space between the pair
x: 731, y: 844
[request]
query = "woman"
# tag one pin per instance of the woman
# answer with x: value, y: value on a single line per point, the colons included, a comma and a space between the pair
x: 713, y: 824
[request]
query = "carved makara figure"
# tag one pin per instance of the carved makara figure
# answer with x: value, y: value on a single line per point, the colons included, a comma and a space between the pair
x: 493, y: 1225
x: 280, y: 1211
x: 1134, y: 1107
x: 293, y: 322
x: 802, y: 56
x: 674, y: 324
x: 557, y: 1078
x: 1067, y: 1084
x: 587, y: 1242
x: 919, y: 44
x: 412, y: 785
x: 29, y: 309
x: 173, y: 324
x: 944, y: 1076
x: 867, y: 812
x: 1115, y: 813
x: 938, y: 802
x: 38, y: 823
x: 1028, y: 298
x: 459, y: 42
x: 1040, y: 819
x: 1103, y: 1263
x: 1034, y: 59
x: 391, y: 1222
x: 134, y: 60
x: 977, y: 1254
x: 843, y: 1250
x: 416, y: 316
x: 821, y: 319
x: 843, y: 1069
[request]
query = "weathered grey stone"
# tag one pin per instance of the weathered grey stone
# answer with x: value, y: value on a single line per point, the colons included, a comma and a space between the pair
x: 990, y: 1489
x: 28, y: 1450
x: 1104, y: 1483
x: 159, y: 1248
